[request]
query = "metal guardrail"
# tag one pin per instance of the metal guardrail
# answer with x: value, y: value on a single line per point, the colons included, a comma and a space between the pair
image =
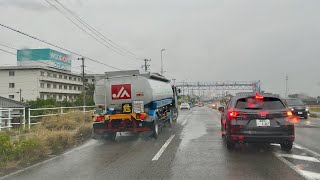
x: 8, y: 114
x: 59, y: 111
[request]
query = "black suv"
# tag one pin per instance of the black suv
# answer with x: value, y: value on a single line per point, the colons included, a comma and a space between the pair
x: 257, y: 118
x: 297, y: 107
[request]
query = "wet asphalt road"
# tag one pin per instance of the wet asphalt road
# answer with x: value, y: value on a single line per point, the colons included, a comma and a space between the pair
x: 196, y: 151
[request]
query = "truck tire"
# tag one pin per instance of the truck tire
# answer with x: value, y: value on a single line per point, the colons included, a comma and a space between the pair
x: 112, y: 136
x: 155, y: 128
x: 170, y: 121
x: 175, y: 114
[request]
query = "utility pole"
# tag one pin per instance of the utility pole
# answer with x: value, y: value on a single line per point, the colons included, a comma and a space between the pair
x: 20, y: 94
x: 161, y: 72
x: 174, y: 81
x: 146, y: 65
x: 83, y: 84
x: 286, y: 94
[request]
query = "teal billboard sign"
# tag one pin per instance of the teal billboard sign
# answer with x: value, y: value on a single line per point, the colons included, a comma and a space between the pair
x: 44, y: 57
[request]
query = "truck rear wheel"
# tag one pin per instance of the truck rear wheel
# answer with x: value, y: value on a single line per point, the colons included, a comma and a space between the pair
x: 170, y: 120
x: 112, y: 136
x: 155, y: 128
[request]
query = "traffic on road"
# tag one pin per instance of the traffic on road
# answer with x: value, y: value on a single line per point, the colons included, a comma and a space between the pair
x: 157, y: 90
x: 192, y: 149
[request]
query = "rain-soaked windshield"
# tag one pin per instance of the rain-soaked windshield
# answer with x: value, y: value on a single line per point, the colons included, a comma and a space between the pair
x: 159, y: 89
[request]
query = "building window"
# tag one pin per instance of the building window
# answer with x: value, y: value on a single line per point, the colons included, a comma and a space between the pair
x: 42, y: 85
x: 65, y: 77
x: 11, y: 73
x: 55, y: 75
x: 60, y: 97
x: 86, y: 80
x: 70, y: 87
x: 65, y: 87
x: 41, y: 73
x: 11, y: 85
x: 60, y: 86
x: 48, y: 85
x: 74, y: 88
x: 60, y: 76
x: 54, y: 96
x: 41, y: 96
x: 54, y: 86
x: 75, y: 79
x: 79, y: 79
x: 11, y: 96
x: 79, y: 88
x: 48, y: 96
x: 49, y: 74
x: 70, y: 97
x: 70, y: 78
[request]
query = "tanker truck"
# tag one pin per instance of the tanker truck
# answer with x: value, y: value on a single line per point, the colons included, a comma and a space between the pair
x: 130, y: 101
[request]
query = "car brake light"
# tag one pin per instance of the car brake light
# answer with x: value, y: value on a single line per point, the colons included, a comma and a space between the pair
x: 289, y: 113
x: 232, y: 115
x: 258, y: 96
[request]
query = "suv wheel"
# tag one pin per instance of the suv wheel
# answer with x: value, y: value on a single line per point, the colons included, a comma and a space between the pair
x: 286, y: 146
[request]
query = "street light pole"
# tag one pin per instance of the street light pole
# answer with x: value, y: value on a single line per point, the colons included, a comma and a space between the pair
x: 161, y: 72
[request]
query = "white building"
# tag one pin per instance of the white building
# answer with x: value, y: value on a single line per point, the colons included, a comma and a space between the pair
x: 39, y: 82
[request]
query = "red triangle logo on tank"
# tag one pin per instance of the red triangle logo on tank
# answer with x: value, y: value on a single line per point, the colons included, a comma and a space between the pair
x: 121, y: 91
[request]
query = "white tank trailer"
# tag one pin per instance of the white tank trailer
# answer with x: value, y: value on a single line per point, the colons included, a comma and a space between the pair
x: 133, y: 101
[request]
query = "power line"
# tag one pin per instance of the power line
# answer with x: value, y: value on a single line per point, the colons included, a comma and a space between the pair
x: 7, y: 52
x: 116, y: 50
x: 51, y: 44
x: 7, y: 46
x: 103, y: 37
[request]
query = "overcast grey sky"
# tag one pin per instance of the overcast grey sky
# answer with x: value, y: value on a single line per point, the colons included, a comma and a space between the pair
x: 205, y: 40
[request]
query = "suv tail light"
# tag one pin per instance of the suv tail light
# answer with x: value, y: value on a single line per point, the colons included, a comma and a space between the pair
x: 258, y: 96
x: 232, y: 115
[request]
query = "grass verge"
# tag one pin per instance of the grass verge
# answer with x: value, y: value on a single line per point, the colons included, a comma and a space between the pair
x: 54, y: 135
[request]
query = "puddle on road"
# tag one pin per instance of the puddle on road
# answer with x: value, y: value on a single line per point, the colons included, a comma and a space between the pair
x: 194, y: 129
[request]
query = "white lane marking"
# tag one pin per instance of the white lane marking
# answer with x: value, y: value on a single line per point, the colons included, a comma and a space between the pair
x: 311, y: 175
x: 184, y: 122
x: 292, y: 166
x: 87, y: 144
x: 310, y: 151
x: 298, y: 146
x: 299, y: 157
x: 157, y: 156
x: 295, y: 146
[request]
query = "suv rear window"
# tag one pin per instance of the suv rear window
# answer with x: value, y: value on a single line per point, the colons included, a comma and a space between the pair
x: 268, y: 103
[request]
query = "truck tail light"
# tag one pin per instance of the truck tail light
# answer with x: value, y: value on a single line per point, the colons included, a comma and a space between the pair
x: 99, y: 118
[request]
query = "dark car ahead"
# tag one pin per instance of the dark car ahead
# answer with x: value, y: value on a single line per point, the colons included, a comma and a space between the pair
x: 256, y: 118
x: 297, y: 107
